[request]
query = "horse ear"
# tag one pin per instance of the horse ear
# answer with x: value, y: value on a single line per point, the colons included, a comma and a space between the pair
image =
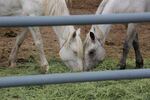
x: 92, y: 36
x: 77, y: 32
x: 74, y: 34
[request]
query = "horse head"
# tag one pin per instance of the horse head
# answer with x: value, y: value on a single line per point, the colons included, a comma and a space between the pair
x: 93, y: 49
x: 72, y: 51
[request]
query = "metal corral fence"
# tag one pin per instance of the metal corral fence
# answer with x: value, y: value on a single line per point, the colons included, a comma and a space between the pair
x: 73, y: 77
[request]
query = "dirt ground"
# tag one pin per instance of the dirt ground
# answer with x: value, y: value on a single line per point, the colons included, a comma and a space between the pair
x: 113, y: 44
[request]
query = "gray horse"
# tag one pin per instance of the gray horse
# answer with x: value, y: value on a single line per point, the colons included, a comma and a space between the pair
x: 94, y: 51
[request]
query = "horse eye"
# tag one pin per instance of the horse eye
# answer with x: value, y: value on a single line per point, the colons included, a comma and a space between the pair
x: 75, y: 52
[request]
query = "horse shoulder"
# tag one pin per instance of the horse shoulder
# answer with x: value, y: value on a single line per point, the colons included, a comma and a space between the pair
x: 35, y: 7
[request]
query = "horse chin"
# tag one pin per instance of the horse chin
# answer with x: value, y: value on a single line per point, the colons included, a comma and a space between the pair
x: 74, y: 65
x: 90, y: 63
x: 71, y: 61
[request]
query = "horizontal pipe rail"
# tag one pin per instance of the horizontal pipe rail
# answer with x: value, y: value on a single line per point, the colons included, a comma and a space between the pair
x: 17, y: 81
x: 24, y: 21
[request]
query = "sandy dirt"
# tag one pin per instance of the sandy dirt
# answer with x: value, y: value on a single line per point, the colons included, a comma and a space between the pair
x: 113, y: 44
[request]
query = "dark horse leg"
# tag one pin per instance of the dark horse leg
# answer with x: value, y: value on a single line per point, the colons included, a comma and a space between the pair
x: 138, y: 56
x: 122, y: 63
x: 131, y: 40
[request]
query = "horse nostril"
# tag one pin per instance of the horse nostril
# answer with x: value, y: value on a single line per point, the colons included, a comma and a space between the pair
x: 92, y: 53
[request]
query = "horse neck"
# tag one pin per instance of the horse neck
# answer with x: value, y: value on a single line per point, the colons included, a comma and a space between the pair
x: 101, y: 6
x: 59, y: 8
x: 103, y: 29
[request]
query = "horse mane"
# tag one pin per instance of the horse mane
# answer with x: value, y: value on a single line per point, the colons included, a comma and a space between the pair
x: 59, y: 8
x: 87, y: 40
x: 101, y: 6
x: 56, y: 8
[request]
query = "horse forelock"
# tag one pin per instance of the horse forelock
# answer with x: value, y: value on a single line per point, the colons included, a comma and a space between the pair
x: 67, y: 42
x: 87, y: 41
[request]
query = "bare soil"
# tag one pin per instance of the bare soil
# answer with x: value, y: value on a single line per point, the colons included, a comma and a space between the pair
x: 113, y: 45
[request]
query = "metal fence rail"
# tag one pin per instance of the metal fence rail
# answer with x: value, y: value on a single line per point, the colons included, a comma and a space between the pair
x: 23, y: 21
x: 73, y: 77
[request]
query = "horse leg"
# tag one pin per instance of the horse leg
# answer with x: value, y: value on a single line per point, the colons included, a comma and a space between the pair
x: 122, y: 63
x: 13, y: 54
x: 138, y: 56
x: 127, y: 45
x: 35, y: 31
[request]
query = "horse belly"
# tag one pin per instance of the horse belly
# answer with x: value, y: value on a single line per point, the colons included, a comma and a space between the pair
x: 148, y: 5
x: 10, y: 7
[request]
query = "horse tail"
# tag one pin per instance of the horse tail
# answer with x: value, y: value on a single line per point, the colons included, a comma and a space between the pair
x: 101, y: 6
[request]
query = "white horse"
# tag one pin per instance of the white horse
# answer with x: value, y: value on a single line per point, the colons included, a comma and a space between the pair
x: 94, y: 51
x: 71, y: 48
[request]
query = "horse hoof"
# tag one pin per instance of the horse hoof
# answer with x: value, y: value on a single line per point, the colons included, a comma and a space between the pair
x: 44, y: 69
x: 12, y: 65
x: 121, y: 66
x: 78, y: 69
x: 139, y: 65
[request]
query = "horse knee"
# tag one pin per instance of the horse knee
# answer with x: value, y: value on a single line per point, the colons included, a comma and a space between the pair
x: 38, y: 44
x: 126, y: 46
x: 122, y: 63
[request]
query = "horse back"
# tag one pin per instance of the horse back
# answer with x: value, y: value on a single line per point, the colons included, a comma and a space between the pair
x: 126, y: 6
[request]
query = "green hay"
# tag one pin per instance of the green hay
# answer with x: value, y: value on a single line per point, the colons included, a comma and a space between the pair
x: 107, y: 90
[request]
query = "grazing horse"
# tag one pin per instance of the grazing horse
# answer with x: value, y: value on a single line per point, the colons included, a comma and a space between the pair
x: 71, y: 48
x: 94, y: 51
